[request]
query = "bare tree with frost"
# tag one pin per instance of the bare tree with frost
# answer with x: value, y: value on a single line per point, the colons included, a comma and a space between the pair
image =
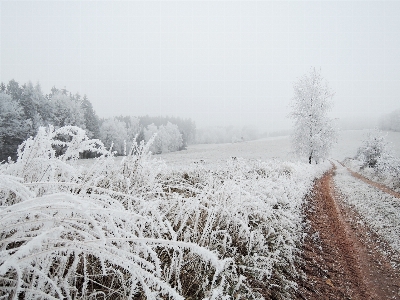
x: 314, y: 134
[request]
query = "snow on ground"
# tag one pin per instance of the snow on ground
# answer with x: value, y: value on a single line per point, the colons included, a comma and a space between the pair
x: 378, y: 209
x: 267, y: 148
x: 264, y: 149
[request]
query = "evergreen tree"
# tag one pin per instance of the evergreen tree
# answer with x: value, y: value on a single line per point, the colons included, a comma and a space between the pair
x: 67, y: 111
x: 91, y: 119
x: 30, y: 102
x: 45, y: 107
x: 14, y: 90
x: 14, y: 128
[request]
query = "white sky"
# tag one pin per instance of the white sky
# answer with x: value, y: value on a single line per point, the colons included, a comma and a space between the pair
x: 216, y: 62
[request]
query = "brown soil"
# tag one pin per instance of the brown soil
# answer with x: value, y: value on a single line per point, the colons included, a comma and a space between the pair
x: 341, y: 257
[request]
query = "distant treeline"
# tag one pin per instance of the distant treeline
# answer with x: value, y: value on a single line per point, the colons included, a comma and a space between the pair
x: 173, y: 133
x: 390, y: 121
x: 24, y: 108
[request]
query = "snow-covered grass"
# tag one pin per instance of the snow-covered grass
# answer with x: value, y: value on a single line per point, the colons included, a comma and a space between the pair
x: 379, y: 210
x: 138, y: 228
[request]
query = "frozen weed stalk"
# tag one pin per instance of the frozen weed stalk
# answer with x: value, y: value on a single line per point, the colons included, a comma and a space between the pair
x: 141, y: 230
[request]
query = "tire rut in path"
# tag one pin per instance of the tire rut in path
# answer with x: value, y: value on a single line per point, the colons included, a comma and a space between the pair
x: 336, y: 263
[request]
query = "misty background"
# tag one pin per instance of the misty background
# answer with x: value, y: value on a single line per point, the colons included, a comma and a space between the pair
x: 217, y: 62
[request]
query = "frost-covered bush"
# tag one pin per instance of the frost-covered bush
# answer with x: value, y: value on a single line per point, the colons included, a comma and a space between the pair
x: 372, y: 149
x: 38, y: 163
x: 140, y: 229
x: 247, y: 211
x: 376, y: 160
x: 135, y: 178
x: 86, y: 242
x: 67, y: 246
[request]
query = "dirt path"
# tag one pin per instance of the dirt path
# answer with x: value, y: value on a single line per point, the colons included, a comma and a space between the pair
x: 340, y: 257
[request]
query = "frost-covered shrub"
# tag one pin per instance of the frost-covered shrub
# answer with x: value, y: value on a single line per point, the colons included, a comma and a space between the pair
x: 12, y: 190
x: 247, y: 211
x: 134, y: 179
x: 86, y: 242
x: 38, y: 162
x: 66, y: 246
x: 140, y: 229
x: 372, y: 149
x: 376, y: 160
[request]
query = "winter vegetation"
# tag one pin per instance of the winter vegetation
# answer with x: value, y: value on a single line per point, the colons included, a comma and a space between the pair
x: 314, y: 134
x: 23, y: 109
x: 167, y: 138
x: 121, y: 131
x: 213, y: 222
x: 114, y: 134
x: 184, y: 150
x: 187, y: 127
x: 376, y: 160
x: 141, y: 229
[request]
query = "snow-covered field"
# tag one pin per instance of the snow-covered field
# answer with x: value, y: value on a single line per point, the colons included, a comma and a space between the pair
x: 264, y: 149
x: 268, y: 148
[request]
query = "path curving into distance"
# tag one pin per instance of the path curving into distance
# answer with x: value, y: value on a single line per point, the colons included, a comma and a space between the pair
x: 342, y: 257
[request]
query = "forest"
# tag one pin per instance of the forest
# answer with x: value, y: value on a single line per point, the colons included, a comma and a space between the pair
x: 24, y: 108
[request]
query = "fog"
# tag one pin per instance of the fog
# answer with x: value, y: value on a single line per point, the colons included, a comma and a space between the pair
x: 218, y: 62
